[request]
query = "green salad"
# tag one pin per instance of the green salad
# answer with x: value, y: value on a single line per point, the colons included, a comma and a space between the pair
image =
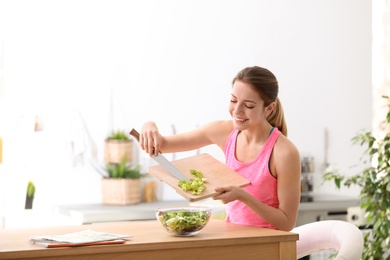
x: 182, y: 222
x: 195, y: 185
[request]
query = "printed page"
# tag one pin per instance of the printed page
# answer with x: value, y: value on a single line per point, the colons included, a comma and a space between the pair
x: 86, y: 236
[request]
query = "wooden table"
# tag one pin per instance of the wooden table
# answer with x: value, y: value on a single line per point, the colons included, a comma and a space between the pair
x: 218, y: 240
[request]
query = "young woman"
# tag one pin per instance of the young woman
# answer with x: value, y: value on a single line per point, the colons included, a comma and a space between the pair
x: 255, y: 145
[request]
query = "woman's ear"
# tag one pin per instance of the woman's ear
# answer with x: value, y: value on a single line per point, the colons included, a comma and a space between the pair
x: 270, y: 108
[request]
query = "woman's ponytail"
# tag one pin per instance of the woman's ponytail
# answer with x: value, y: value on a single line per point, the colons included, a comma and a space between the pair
x: 277, y: 119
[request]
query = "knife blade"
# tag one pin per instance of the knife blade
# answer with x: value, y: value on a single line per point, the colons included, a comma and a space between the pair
x: 161, y: 160
x: 169, y: 167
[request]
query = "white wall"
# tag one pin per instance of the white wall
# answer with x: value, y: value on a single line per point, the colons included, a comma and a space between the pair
x: 172, y: 62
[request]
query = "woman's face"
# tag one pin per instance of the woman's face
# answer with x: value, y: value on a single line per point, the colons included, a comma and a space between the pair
x: 246, y: 107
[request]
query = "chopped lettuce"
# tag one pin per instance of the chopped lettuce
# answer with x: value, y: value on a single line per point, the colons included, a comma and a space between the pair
x: 195, y: 185
x: 182, y: 222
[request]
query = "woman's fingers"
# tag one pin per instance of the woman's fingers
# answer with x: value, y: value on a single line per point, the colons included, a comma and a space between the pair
x: 228, y: 193
x: 150, y: 139
x: 221, y: 194
x: 147, y: 142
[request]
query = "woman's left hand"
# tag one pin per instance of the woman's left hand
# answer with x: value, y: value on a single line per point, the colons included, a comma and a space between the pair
x: 229, y: 193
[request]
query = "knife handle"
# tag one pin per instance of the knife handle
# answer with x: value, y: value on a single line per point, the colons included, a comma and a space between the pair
x: 134, y: 133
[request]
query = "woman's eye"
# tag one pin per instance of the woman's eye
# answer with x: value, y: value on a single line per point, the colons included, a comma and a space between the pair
x: 247, y: 106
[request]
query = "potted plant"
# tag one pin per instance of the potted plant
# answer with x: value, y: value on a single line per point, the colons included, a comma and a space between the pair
x: 374, y: 180
x: 122, y: 185
x: 118, y: 147
x: 30, y: 195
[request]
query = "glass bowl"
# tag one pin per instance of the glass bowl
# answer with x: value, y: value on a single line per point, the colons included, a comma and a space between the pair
x: 183, y: 221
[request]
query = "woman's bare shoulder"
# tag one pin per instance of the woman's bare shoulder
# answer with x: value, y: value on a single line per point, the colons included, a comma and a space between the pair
x: 218, y: 131
x: 222, y: 123
x: 285, y: 147
x: 286, y: 158
x: 220, y: 127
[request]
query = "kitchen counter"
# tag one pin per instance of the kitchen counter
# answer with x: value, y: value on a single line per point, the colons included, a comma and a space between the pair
x: 218, y: 240
x: 329, y: 202
x: 92, y: 213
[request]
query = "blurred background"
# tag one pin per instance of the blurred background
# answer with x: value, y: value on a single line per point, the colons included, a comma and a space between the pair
x: 73, y: 71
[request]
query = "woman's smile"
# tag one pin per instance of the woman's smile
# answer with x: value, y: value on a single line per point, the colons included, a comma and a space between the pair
x: 239, y: 120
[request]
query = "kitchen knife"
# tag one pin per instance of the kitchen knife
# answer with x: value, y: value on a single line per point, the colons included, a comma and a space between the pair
x: 160, y: 159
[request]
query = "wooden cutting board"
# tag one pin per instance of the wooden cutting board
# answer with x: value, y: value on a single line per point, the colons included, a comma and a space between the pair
x: 216, y: 173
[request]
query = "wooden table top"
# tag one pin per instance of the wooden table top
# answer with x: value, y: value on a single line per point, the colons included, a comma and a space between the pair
x: 147, y: 235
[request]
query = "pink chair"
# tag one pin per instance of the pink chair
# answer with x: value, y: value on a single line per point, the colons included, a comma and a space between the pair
x: 338, y: 235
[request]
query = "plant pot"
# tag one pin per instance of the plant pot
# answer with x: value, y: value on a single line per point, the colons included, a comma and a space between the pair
x: 121, y: 191
x: 29, y: 202
x: 117, y: 151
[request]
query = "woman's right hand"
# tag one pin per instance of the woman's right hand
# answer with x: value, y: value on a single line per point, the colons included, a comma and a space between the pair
x: 150, y: 139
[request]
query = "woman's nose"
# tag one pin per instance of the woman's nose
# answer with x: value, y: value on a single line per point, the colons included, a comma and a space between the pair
x: 237, y: 109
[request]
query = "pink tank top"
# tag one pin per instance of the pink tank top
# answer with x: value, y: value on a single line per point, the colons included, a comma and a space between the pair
x: 263, y: 185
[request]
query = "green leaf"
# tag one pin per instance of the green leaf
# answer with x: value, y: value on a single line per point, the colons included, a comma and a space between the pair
x: 124, y: 170
x: 118, y: 135
x: 30, y: 189
x: 374, y: 180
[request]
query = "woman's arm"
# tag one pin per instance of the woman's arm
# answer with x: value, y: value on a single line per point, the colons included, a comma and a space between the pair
x: 287, y: 164
x: 215, y: 132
